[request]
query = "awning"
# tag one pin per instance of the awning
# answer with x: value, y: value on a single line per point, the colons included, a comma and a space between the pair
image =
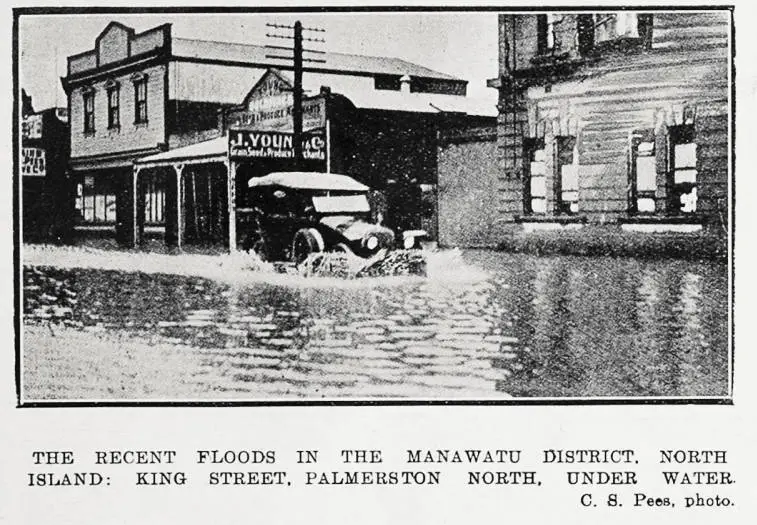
x: 308, y: 180
x: 213, y: 150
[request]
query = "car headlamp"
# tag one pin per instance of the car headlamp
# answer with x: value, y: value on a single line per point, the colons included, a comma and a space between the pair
x: 371, y: 243
x: 408, y: 242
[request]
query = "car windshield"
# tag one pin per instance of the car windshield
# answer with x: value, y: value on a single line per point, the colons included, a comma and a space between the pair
x: 342, y: 204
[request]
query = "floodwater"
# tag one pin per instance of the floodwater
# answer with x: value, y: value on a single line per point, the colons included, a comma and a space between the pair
x: 523, y: 326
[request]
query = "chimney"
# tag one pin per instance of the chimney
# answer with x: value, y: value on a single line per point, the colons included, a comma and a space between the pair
x: 405, y: 84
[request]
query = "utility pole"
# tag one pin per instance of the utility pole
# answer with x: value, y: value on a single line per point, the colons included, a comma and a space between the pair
x: 298, y: 59
x: 297, y: 98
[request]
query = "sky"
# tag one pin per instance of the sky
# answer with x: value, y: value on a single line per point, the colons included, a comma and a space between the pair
x: 463, y: 44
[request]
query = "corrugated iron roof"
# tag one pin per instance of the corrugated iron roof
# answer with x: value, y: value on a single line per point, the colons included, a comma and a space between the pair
x: 211, y: 83
x: 255, y: 54
x: 209, y: 149
x: 420, y: 102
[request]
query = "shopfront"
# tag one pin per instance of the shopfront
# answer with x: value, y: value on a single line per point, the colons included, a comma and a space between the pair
x: 391, y: 148
x: 205, y: 199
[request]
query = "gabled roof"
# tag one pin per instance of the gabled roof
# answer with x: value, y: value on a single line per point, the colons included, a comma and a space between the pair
x: 113, y: 24
x: 284, y: 80
x: 256, y: 54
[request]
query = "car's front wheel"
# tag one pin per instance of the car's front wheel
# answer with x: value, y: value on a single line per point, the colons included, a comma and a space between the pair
x: 306, y: 241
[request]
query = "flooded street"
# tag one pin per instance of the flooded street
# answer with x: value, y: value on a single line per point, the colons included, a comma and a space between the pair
x: 524, y: 326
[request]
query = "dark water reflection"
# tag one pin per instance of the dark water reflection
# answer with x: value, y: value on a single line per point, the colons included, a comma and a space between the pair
x: 543, y: 326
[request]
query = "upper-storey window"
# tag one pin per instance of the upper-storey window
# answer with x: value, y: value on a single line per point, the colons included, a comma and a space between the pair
x: 114, y: 105
x: 88, y: 101
x: 545, y: 33
x: 622, y: 25
x: 615, y: 25
x: 140, y: 99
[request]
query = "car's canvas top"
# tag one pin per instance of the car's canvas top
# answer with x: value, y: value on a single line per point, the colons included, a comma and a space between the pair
x: 308, y: 180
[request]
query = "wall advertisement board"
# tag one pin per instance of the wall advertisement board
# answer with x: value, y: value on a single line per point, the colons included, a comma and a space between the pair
x: 275, y: 113
x: 33, y: 162
x: 31, y: 127
x: 274, y: 145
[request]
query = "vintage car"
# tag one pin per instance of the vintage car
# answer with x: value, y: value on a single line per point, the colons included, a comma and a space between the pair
x: 295, y: 214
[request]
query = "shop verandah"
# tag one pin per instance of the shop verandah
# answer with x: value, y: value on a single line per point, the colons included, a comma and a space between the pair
x: 205, y: 184
x: 199, y: 207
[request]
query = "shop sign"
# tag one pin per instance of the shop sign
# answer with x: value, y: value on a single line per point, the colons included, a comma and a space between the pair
x: 275, y: 113
x: 31, y: 127
x: 33, y: 162
x: 274, y: 145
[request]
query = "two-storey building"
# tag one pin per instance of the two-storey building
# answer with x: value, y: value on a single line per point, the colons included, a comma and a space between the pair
x: 135, y: 95
x: 614, y: 119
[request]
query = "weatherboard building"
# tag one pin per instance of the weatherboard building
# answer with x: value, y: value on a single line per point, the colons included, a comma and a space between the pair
x: 612, y: 125
x: 166, y: 132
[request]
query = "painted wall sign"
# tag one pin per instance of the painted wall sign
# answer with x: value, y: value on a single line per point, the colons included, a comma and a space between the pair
x: 33, y: 162
x: 274, y: 145
x: 275, y: 113
x: 31, y: 127
x: 268, y: 106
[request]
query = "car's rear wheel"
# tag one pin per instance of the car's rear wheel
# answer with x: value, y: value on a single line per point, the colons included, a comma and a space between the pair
x: 306, y: 241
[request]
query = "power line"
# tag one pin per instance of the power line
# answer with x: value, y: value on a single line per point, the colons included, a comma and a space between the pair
x: 298, y: 59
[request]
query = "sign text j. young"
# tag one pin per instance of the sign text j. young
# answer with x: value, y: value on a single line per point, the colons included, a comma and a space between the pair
x: 274, y: 145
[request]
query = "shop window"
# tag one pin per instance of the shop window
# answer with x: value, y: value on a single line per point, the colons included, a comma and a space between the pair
x: 155, y: 200
x: 535, y: 179
x: 566, y: 169
x: 88, y: 100
x: 140, y: 99
x: 682, y: 174
x: 643, y: 172
x: 95, y: 201
x: 113, y: 106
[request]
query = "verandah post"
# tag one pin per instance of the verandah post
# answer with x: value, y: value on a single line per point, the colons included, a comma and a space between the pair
x: 231, y: 178
x: 179, y: 168
x: 134, y: 208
